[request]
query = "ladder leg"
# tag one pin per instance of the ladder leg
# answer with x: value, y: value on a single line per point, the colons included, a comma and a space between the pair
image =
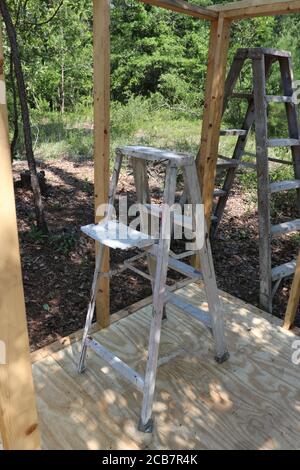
x: 159, y: 296
x: 99, y: 261
x: 237, y: 154
x: 286, y: 69
x: 141, y: 182
x: 261, y: 132
x: 208, y: 271
x: 91, y: 308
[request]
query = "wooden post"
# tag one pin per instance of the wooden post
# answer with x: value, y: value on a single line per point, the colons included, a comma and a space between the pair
x: 102, y: 136
x: 294, y: 299
x: 18, y: 414
x: 215, y: 82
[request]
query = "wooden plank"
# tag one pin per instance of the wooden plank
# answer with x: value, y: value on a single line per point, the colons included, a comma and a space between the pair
x: 287, y: 78
x: 18, y: 415
x: 116, y: 363
x: 155, y: 155
x: 279, y: 99
x: 208, y: 271
x: 189, y: 309
x: 286, y: 227
x: 233, y: 132
x: 283, y: 142
x: 196, y: 401
x: 159, y: 293
x: 288, y: 185
x: 293, y: 303
x: 187, y: 8
x: 263, y: 196
x: 101, y: 34
x: 239, y: 149
x: 213, y: 106
x: 251, y: 8
x: 284, y: 270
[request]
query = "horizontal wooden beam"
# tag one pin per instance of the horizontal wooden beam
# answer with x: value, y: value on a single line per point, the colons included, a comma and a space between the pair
x: 181, y: 6
x: 251, y: 8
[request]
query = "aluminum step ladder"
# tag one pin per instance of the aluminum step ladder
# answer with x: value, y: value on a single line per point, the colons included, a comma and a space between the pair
x: 156, y: 249
x: 262, y: 60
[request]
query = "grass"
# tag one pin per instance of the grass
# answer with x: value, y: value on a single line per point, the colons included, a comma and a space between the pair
x: 140, y: 122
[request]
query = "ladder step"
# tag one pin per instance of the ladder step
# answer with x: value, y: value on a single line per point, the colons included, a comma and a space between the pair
x: 283, y: 142
x: 219, y: 193
x: 284, y: 270
x: 242, y: 96
x: 189, y: 309
x: 116, y: 363
x: 279, y: 99
x: 284, y: 186
x: 286, y: 227
x: 117, y: 235
x: 184, y: 269
x: 228, y: 132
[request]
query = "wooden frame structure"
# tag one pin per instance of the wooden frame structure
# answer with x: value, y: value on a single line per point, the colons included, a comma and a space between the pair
x: 18, y: 416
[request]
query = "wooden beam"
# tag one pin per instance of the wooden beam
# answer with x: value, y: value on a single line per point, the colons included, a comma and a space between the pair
x: 214, y: 94
x: 181, y: 6
x: 18, y: 414
x: 251, y: 8
x: 293, y: 300
x: 102, y: 135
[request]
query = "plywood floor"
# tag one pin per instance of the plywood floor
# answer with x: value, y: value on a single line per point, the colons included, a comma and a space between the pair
x: 251, y: 402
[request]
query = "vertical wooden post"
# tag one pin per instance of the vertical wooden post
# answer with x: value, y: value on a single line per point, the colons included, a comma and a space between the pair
x: 263, y: 181
x: 214, y: 94
x: 294, y: 299
x: 18, y: 414
x: 102, y: 135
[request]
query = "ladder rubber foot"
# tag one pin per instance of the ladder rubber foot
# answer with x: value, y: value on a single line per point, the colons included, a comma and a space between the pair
x: 223, y: 358
x: 146, y: 428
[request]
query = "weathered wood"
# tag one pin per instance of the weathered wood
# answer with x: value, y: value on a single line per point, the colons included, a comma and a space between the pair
x: 283, y: 142
x: 117, y: 235
x: 250, y: 8
x: 288, y: 185
x: 285, y: 228
x: 196, y: 401
x: 285, y: 270
x: 279, y: 99
x: 155, y: 155
x: 189, y: 309
x: 184, y: 269
x: 261, y: 134
x: 18, y: 415
x: 286, y: 68
x: 213, y: 106
x: 232, y: 132
x: 207, y: 268
x: 219, y: 192
x: 293, y: 303
x: 116, y: 363
x: 227, y: 162
x: 187, y: 8
x: 101, y: 11
x: 159, y: 295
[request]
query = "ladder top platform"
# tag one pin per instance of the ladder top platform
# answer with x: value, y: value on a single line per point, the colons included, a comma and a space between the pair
x: 116, y: 235
x: 155, y: 155
x: 257, y: 52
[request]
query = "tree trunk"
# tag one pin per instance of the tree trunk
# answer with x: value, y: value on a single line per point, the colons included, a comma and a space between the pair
x: 15, y: 106
x: 39, y: 209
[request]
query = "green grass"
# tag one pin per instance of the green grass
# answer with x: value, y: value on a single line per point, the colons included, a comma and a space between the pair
x: 140, y: 122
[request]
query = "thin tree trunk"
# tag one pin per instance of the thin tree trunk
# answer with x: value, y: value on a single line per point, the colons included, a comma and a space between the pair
x: 38, y: 203
x: 15, y: 106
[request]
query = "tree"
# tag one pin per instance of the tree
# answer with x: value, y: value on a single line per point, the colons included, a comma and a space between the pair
x: 38, y: 202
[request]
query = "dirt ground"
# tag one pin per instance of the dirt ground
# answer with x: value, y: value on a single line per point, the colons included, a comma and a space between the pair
x: 57, y: 270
